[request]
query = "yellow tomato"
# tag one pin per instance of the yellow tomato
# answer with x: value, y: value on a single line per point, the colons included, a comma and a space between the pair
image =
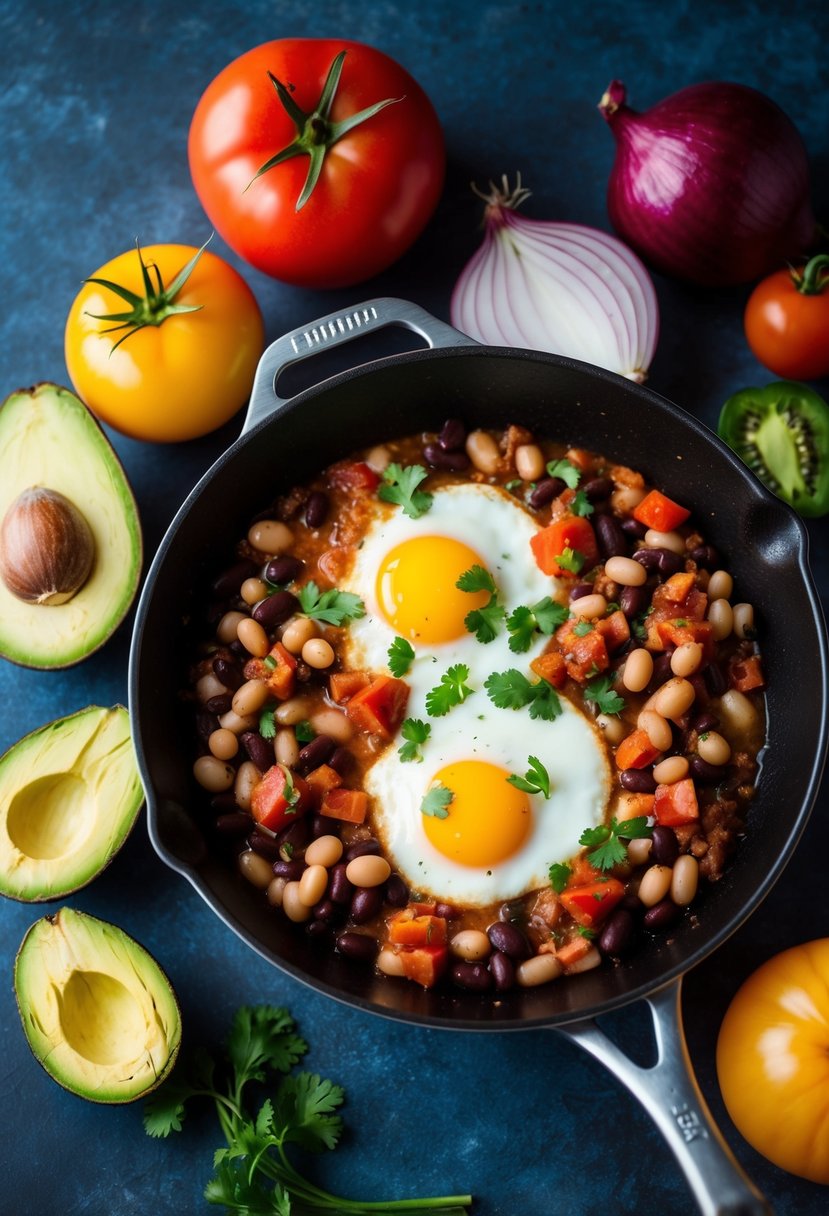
x: 773, y: 1060
x: 180, y: 377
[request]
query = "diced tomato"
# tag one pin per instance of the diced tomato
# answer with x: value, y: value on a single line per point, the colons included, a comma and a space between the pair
x: 353, y: 476
x: 343, y: 684
x: 417, y: 930
x: 380, y: 707
x: 321, y: 780
x: 425, y: 964
x: 590, y: 905
x: 277, y: 669
x: 636, y: 751
x: 348, y: 805
x: 676, y: 804
x: 572, y: 951
x: 614, y: 629
x: 581, y: 458
x: 745, y: 674
x: 582, y: 873
x: 273, y: 802
x: 585, y: 656
x: 658, y: 511
x: 675, y: 589
x: 569, y: 532
x: 634, y: 806
x: 683, y: 629
x: 550, y: 666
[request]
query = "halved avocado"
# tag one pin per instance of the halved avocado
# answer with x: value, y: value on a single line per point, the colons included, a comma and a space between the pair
x: 50, y: 441
x: 69, y: 795
x: 98, y: 1012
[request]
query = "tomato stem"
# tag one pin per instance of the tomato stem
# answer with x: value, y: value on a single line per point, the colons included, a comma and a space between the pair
x: 814, y: 277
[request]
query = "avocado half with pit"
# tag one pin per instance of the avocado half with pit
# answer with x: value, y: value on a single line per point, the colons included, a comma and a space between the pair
x: 70, y: 536
x: 69, y: 794
x: 98, y: 1012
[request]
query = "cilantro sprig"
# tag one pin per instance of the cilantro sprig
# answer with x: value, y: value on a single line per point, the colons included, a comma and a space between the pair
x: 333, y: 607
x: 436, y: 802
x: 452, y: 690
x: 512, y: 690
x: 536, y: 780
x: 544, y: 617
x: 401, y: 656
x: 604, y: 843
x: 570, y: 559
x: 581, y: 504
x: 559, y: 876
x: 486, y: 621
x: 399, y: 486
x: 415, y: 732
x: 253, y: 1171
x: 568, y: 472
x: 601, y: 691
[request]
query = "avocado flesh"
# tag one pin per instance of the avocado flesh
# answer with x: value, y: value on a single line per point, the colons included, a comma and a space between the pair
x: 69, y: 795
x: 49, y: 439
x: 97, y: 1010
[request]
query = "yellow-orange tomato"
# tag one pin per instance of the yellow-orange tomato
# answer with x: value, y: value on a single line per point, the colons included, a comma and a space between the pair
x: 175, y: 380
x: 773, y: 1060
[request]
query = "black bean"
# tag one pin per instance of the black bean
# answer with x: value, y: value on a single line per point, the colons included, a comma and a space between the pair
x: 597, y: 488
x: 503, y: 971
x: 670, y: 562
x: 396, y: 892
x: 230, y: 580
x: 661, y: 915
x: 618, y: 932
x: 649, y: 558
x: 294, y: 837
x: 225, y: 801
x: 229, y: 671
x: 341, y: 760
x: 259, y: 750
x: 633, y: 600
x: 581, y: 590
x: 315, y: 753
x: 275, y: 609
x: 435, y: 456
x: 283, y: 569
x: 232, y: 823
x: 323, y: 825
x: 473, y: 976
x: 447, y: 911
x: 221, y: 704
x: 705, y: 722
x: 509, y: 939
x: 638, y: 780
x: 661, y: 672
x: 238, y: 649
x: 359, y: 946
x: 360, y: 848
x: 707, y: 556
x: 265, y: 846
x: 715, y: 681
x: 339, y: 887
x: 707, y: 774
x: 366, y: 902
x: 329, y: 911
x: 545, y: 491
x: 316, y: 509
x: 632, y: 527
x: 318, y: 929
x: 664, y: 846
x: 206, y: 723
x: 452, y: 435
x: 291, y: 870
x: 611, y: 538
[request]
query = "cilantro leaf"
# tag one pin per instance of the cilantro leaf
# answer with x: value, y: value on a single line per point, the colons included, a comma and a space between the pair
x: 302, y: 1113
x: 415, y: 733
x: 549, y: 615
x: 333, y: 607
x: 436, y: 802
x: 582, y: 628
x: 263, y: 1035
x: 267, y: 724
x: 399, y: 486
x: 401, y: 656
x: 304, y: 732
x: 570, y: 559
x: 581, y: 504
x: 601, y: 691
x: 586, y: 932
x: 476, y: 578
x: 452, y: 690
x: 546, y: 703
x: 604, y: 842
x: 484, y: 622
x: 559, y: 876
x: 545, y: 616
x: 512, y: 690
x: 568, y: 472
x: 535, y: 781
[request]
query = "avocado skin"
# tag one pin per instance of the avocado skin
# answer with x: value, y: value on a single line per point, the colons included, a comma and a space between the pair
x: 99, y: 1013
x: 49, y: 439
x: 70, y: 794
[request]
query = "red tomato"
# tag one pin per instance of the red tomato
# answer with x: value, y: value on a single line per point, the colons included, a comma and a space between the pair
x: 379, y: 182
x: 787, y: 322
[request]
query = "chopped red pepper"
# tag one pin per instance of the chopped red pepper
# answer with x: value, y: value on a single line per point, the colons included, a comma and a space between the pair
x: 380, y: 707
x: 569, y: 532
x: 589, y: 905
x: 614, y: 629
x: 279, y: 798
x: 425, y: 964
x: 348, y: 805
x: 675, y: 805
x: 658, y: 511
x: 344, y: 684
x: 746, y: 674
x: 585, y: 654
x: 277, y: 669
x: 353, y: 476
x: 417, y: 930
x: 321, y: 780
x: 636, y: 751
x: 550, y: 666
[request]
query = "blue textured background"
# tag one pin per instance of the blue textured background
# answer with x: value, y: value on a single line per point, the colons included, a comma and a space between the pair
x: 95, y: 105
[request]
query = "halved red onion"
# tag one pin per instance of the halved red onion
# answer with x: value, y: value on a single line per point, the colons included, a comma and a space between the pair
x: 563, y: 288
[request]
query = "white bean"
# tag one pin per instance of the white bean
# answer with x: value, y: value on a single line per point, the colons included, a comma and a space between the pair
x: 529, y: 461
x: 743, y: 615
x: 539, y: 969
x: 270, y: 536
x: 720, y: 585
x: 247, y: 778
x: 721, y: 619
x: 684, y: 880
x: 638, y: 669
x: 655, y: 884
x: 483, y: 451
x: 471, y: 944
x: 625, y: 571
x: 664, y: 540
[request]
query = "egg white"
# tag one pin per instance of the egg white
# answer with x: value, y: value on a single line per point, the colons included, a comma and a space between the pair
x: 495, y: 526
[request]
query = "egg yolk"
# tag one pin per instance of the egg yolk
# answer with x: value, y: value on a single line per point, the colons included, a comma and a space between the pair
x: 488, y: 819
x: 417, y: 592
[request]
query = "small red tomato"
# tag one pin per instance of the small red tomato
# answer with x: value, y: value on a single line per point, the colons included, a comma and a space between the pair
x: 787, y: 321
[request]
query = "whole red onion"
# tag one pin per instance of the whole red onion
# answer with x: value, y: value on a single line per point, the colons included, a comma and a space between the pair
x: 711, y: 184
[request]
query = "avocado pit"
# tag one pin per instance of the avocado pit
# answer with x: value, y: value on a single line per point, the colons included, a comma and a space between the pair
x: 46, y: 547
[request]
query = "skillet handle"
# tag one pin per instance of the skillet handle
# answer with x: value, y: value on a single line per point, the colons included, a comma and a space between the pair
x: 335, y: 330
x: 670, y: 1094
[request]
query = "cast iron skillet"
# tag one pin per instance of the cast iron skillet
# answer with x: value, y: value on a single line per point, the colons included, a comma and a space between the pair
x: 283, y: 443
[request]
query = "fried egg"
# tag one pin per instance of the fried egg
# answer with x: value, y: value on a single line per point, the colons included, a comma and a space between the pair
x: 495, y: 841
